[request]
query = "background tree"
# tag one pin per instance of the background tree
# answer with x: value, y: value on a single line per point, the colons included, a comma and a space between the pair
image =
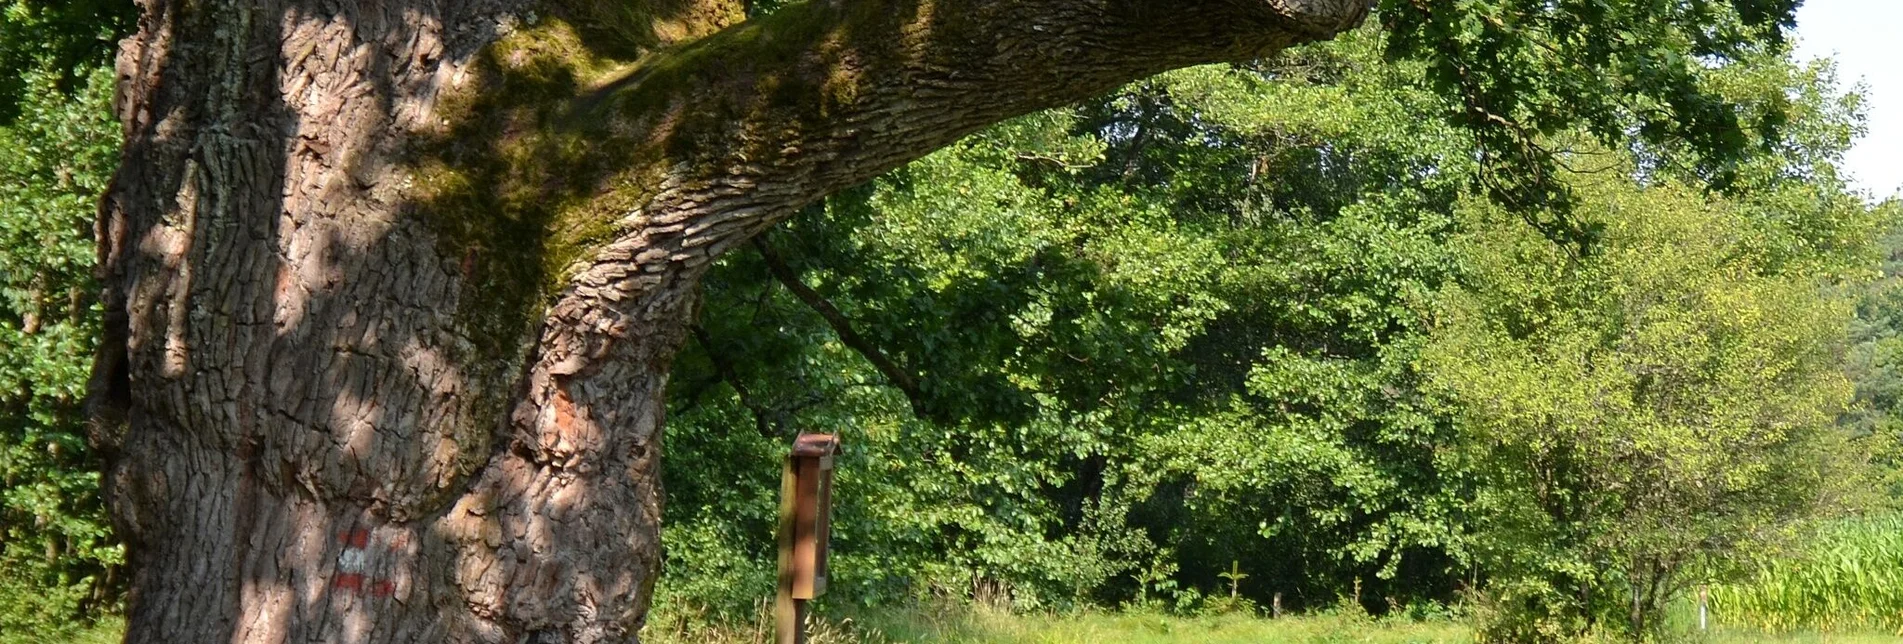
x: 327, y: 265
x: 1876, y: 365
x: 58, y: 146
x: 1086, y: 356
x: 61, y: 43
x: 58, y: 555
x: 1648, y: 414
x: 1265, y: 402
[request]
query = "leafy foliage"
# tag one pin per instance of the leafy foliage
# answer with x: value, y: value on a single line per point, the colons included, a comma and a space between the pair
x: 1270, y: 314
x: 59, y: 41
x: 1276, y: 329
x: 54, y: 163
x: 1518, y: 72
x: 1662, y: 405
x: 59, y: 145
x: 1876, y: 365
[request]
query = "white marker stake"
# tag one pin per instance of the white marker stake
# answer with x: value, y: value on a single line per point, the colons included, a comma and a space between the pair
x: 1701, y: 608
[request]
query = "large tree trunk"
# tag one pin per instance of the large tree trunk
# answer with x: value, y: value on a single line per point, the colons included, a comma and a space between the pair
x: 393, y: 286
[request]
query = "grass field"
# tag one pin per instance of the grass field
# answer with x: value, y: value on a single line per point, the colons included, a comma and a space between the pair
x: 988, y: 627
x: 107, y: 631
x: 978, y: 626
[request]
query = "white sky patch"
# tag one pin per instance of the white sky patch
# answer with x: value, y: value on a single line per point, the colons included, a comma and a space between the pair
x: 1866, y: 39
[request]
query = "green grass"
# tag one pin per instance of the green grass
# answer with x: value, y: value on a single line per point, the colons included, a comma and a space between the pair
x: 980, y: 626
x: 1751, y: 636
x: 109, y: 630
x: 958, y: 625
x: 977, y: 627
x: 961, y: 625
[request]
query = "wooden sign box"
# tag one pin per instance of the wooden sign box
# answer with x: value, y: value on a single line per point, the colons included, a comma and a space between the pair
x: 806, y: 496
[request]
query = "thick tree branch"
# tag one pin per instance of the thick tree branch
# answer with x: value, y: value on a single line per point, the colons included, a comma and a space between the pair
x: 749, y: 124
x: 635, y: 180
x: 842, y: 327
x: 636, y: 26
x: 701, y: 147
x: 632, y: 179
x: 708, y: 143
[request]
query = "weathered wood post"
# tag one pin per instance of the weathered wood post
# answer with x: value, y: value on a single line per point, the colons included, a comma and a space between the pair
x: 806, y: 494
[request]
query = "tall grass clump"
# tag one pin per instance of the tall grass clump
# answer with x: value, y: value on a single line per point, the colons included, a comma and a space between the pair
x: 1850, y: 577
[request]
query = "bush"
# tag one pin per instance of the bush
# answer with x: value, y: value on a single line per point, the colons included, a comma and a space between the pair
x: 1642, y: 413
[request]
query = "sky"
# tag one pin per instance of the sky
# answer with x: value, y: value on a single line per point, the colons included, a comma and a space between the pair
x: 1866, y: 39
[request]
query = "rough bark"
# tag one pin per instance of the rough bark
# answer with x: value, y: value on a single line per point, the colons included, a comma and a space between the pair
x: 393, y: 287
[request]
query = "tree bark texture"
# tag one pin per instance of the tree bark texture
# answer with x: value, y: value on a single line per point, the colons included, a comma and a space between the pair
x: 393, y: 286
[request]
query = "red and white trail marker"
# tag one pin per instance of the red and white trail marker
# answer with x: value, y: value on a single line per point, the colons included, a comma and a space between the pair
x: 353, y: 565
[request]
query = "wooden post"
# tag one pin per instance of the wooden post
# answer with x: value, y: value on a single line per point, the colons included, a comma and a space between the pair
x: 805, y: 532
x: 1275, y: 606
x: 789, y: 614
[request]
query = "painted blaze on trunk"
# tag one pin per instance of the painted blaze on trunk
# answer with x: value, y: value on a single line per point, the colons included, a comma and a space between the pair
x: 392, y: 288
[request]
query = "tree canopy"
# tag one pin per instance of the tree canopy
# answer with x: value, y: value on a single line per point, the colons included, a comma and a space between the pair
x: 1528, y: 303
x: 1268, y: 313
